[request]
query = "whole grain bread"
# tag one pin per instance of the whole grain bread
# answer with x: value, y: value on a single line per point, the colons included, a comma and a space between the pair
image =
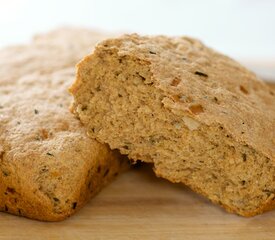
x: 49, y: 168
x: 199, y: 116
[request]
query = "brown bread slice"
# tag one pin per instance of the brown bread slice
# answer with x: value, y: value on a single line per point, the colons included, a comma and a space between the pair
x: 48, y: 167
x: 199, y: 116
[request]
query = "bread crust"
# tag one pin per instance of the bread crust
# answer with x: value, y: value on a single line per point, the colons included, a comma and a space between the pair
x: 49, y: 168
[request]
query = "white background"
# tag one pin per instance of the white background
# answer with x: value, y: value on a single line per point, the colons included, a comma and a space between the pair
x: 242, y: 29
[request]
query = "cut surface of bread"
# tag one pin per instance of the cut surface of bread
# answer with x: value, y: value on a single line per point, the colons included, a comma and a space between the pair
x: 49, y: 168
x: 200, y: 117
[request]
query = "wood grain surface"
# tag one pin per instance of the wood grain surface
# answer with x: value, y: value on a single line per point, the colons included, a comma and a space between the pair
x: 139, y: 205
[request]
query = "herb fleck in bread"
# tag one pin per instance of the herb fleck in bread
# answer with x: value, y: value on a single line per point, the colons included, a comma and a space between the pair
x: 49, y: 168
x: 200, y: 117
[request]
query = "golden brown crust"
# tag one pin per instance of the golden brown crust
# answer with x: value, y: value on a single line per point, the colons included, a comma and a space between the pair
x: 48, y: 167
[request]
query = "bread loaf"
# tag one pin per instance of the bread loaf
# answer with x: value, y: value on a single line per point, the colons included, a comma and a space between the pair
x: 49, y: 168
x: 200, y: 117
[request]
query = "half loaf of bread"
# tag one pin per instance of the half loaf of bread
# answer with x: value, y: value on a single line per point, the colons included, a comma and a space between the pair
x: 200, y: 117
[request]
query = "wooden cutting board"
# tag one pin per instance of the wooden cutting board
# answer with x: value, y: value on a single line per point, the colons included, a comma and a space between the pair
x: 139, y: 205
